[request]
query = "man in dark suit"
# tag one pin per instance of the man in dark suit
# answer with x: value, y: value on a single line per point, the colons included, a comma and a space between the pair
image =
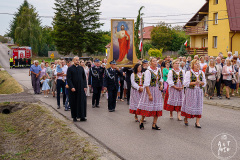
x: 111, y: 83
x: 95, y: 80
x: 128, y: 72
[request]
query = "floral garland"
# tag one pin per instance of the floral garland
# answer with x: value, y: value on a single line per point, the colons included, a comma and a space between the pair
x: 193, y: 78
x: 155, y: 78
x: 176, y: 77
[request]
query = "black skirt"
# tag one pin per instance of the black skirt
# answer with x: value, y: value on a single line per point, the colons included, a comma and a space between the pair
x: 227, y: 83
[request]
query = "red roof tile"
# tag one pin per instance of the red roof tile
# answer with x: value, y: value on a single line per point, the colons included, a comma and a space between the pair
x: 147, y: 32
x: 233, y: 8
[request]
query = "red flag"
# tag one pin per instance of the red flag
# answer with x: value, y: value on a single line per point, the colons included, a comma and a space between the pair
x: 185, y: 44
x: 140, y: 46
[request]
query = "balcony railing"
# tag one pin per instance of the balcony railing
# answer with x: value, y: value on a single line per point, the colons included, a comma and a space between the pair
x: 196, y: 30
x: 198, y: 51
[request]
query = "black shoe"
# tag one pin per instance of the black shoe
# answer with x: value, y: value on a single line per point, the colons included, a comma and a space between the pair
x: 58, y: 107
x: 113, y: 110
x: 141, y: 126
x: 83, y: 119
x: 197, y: 126
x: 110, y: 110
x: 97, y: 106
x: 156, y: 127
x: 93, y: 106
x: 74, y: 119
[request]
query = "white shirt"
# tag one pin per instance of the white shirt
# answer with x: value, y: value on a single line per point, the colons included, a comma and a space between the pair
x: 229, y: 70
x: 170, y: 77
x: 64, y: 69
x: 147, y: 76
x: 213, y: 76
x: 133, y: 83
x: 187, y: 79
x: 202, y: 64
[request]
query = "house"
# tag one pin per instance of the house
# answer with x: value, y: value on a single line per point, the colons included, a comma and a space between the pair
x: 146, y: 34
x: 215, y: 28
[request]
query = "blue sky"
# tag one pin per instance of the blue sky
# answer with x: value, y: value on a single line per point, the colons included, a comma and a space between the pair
x: 112, y: 9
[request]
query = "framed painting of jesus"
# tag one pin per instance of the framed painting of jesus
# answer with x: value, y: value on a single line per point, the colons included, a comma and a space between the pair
x: 122, y: 42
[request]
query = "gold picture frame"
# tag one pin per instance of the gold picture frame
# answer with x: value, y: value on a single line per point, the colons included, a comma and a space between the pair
x: 122, y: 49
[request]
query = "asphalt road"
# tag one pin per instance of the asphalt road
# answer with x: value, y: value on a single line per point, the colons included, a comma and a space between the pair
x: 120, y: 133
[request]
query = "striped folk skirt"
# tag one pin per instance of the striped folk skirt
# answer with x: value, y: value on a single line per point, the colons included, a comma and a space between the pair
x: 151, y: 108
x: 134, y: 100
x: 193, y: 103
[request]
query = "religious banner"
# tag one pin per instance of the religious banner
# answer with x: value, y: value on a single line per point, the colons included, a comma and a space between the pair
x: 122, y: 43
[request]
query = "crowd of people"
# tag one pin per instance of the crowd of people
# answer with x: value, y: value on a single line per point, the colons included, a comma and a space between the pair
x: 149, y: 87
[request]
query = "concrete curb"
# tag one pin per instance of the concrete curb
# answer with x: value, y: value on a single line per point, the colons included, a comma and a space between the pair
x: 222, y: 105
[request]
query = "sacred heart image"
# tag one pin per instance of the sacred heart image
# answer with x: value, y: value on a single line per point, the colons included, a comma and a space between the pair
x: 122, y: 40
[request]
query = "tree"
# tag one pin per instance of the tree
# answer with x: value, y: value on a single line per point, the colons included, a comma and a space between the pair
x: 182, y: 51
x: 46, y: 43
x: 75, y: 25
x: 162, y: 36
x: 13, y: 23
x: 28, y: 29
x: 155, y: 52
x: 136, y: 32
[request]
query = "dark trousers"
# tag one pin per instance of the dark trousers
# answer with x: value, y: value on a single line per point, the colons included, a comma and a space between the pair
x: 11, y: 65
x: 218, y: 87
x: 128, y: 90
x: 96, y: 95
x: 36, y: 83
x: 112, y: 97
x: 121, y: 89
x: 60, y: 84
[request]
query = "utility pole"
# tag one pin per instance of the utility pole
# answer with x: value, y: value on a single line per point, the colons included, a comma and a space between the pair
x: 142, y: 37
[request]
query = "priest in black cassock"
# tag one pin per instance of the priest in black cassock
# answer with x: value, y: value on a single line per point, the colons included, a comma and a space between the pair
x: 77, y: 83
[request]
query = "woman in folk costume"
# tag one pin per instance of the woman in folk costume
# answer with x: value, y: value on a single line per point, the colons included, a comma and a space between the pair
x: 194, y: 82
x: 151, y: 102
x: 137, y: 80
x: 175, y: 92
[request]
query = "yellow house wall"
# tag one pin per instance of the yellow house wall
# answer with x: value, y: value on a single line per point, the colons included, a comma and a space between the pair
x: 221, y: 30
x: 236, y: 42
x: 197, y: 41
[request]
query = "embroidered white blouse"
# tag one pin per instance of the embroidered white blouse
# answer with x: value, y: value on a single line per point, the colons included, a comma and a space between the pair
x: 187, y: 78
x: 147, y: 76
x: 133, y: 83
x: 170, y: 77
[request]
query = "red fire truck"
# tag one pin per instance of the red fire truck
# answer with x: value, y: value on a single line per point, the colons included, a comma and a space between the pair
x: 21, y: 56
x: 21, y: 52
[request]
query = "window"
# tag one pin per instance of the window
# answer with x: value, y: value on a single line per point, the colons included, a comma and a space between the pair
x: 215, y: 1
x: 206, y: 23
x: 214, y: 41
x: 215, y: 15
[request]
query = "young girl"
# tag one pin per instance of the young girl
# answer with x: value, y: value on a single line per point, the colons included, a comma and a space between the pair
x: 59, y: 69
x: 45, y: 86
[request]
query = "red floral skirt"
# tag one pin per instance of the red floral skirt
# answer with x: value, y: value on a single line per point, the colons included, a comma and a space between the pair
x: 184, y: 114
x: 168, y: 107
x: 132, y: 111
x: 149, y: 113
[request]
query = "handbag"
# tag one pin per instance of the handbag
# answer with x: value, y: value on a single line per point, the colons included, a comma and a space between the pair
x: 234, y: 79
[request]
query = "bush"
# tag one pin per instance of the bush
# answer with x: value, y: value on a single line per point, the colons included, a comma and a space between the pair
x: 155, y: 52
